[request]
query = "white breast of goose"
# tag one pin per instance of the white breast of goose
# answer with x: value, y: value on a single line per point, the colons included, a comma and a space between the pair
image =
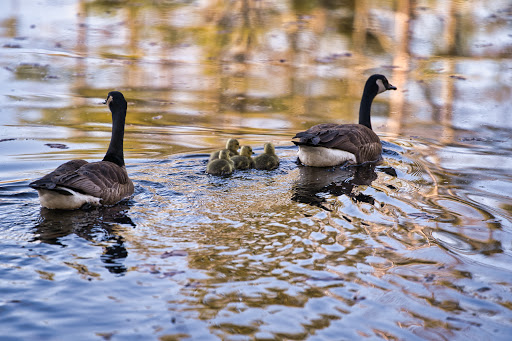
x: 73, y: 201
x: 324, y: 157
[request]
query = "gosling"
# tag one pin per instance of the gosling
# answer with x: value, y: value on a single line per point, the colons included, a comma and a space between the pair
x: 232, y: 146
x: 221, y: 166
x: 244, y: 160
x: 268, y: 160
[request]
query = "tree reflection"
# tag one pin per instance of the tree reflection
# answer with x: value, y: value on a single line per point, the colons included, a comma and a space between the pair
x: 96, y: 225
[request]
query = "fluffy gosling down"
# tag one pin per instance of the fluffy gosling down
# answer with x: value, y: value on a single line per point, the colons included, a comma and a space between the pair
x: 268, y: 160
x: 244, y: 160
x: 232, y: 146
x: 221, y: 166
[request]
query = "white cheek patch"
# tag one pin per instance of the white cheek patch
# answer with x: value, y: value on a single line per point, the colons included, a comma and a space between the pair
x: 381, y: 86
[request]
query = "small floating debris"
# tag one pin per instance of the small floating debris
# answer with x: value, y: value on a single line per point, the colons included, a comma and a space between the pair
x: 421, y: 215
x: 172, y: 273
x: 57, y: 145
x: 174, y: 253
x: 12, y: 46
x: 390, y: 66
x: 332, y: 57
x: 483, y: 45
x: 458, y: 77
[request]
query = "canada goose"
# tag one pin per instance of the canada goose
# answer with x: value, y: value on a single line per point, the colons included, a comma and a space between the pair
x: 221, y: 166
x: 232, y: 146
x: 268, y: 160
x: 330, y: 144
x: 244, y: 160
x: 78, y: 182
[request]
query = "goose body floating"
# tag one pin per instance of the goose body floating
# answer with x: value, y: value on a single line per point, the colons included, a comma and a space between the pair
x: 78, y: 182
x: 244, y: 160
x: 329, y: 144
x: 221, y: 166
x: 268, y: 160
x: 232, y: 146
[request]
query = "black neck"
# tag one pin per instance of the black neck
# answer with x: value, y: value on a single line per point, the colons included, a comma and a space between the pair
x: 115, y: 149
x: 366, y: 106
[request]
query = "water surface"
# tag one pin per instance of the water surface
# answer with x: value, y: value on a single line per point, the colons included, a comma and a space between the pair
x: 417, y: 247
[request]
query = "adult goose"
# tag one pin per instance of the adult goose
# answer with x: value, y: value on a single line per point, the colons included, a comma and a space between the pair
x: 330, y: 144
x: 78, y: 182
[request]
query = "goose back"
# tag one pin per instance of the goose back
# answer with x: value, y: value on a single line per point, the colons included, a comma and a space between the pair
x: 355, y: 139
x: 95, y: 183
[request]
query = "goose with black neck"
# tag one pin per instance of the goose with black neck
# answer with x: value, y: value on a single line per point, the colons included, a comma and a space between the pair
x: 103, y: 183
x: 330, y: 144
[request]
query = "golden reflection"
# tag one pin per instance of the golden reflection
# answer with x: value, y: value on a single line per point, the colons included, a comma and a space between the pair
x: 236, y: 67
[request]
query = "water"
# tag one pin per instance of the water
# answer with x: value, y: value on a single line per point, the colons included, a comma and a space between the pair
x: 417, y: 247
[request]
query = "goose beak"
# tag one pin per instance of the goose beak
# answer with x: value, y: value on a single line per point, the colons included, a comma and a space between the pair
x: 391, y: 87
x: 108, y: 100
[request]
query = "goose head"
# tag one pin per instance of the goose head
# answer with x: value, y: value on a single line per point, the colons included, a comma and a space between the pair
x: 378, y: 84
x: 269, y: 149
x: 232, y: 145
x: 116, y: 102
x: 246, y: 151
x: 224, y: 154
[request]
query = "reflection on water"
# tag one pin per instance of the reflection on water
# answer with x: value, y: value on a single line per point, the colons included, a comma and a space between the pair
x: 95, y: 224
x: 421, y: 242
x: 314, y: 182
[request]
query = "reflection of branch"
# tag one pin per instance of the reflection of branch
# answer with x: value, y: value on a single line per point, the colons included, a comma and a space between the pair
x: 366, y: 22
x: 243, y: 36
x: 427, y: 93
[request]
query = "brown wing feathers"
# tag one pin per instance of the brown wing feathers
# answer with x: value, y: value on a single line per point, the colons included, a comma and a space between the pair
x: 50, y: 180
x: 353, y: 138
x: 102, y: 179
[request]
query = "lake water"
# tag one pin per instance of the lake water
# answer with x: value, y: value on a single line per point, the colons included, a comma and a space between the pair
x: 418, y: 247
